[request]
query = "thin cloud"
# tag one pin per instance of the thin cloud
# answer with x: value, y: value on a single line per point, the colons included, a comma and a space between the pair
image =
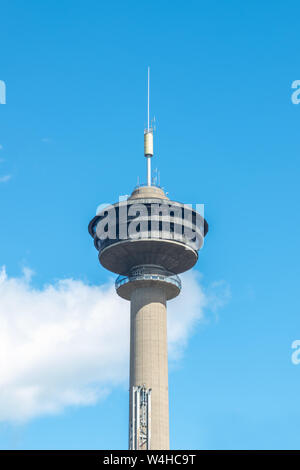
x: 5, y: 179
x: 67, y: 344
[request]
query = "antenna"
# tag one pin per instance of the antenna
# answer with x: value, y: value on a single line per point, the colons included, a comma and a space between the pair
x: 148, y: 137
x: 148, y: 97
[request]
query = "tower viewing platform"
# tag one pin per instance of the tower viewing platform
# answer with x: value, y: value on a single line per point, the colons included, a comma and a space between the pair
x: 149, y: 229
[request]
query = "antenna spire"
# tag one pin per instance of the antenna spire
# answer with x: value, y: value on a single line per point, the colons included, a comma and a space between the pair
x: 148, y: 98
x: 148, y: 138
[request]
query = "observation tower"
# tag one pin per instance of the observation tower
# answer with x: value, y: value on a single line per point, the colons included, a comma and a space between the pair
x: 148, y: 240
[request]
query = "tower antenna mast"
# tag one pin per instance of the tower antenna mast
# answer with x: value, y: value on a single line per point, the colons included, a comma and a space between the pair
x: 148, y: 138
x: 148, y: 98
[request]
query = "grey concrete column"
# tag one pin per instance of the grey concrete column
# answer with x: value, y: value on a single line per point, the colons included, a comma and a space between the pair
x: 149, y: 357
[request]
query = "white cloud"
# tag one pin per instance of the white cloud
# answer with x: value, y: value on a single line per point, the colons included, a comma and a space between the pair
x: 68, y: 343
x: 185, y: 312
x: 4, y: 179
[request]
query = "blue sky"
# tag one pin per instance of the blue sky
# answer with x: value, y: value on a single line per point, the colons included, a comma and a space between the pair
x: 227, y: 136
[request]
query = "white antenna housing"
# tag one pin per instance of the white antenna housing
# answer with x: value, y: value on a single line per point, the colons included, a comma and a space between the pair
x: 148, y: 138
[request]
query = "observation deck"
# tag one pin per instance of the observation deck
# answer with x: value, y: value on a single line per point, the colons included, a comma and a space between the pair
x: 146, y: 276
x: 148, y: 229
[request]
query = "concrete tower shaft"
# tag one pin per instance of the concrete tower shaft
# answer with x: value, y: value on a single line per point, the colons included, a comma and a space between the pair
x: 148, y: 289
x: 149, y: 358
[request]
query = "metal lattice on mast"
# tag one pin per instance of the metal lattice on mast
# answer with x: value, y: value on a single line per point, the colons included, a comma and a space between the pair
x: 140, y: 423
